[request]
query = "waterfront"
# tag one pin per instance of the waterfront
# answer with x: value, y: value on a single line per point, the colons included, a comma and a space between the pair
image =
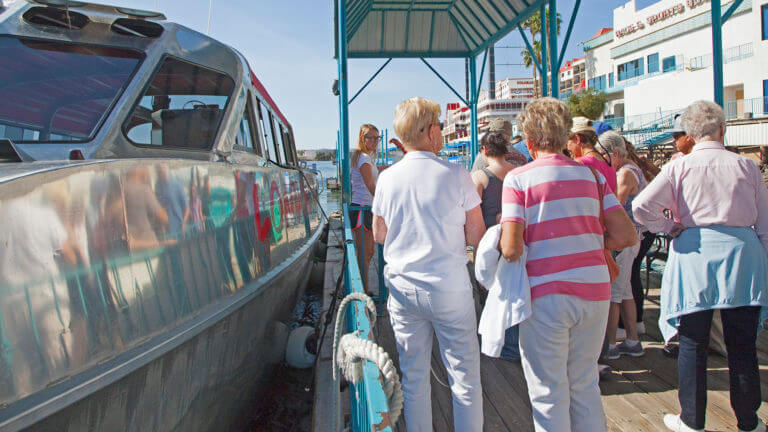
x: 329, y: 200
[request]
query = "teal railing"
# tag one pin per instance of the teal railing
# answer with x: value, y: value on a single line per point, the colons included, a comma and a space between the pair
x: 756, y: 107
x: 368, y: 403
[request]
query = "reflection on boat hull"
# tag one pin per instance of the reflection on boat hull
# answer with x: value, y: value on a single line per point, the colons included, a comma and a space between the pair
x: 221, y: 372
x: 147, y: 294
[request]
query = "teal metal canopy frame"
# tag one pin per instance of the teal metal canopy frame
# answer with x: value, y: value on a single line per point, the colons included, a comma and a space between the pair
x: 718, y: 20
x: 426, y: 29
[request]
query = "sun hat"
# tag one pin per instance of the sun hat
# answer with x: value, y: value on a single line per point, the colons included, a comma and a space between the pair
x: 582, y: 124
x: 500, y: 125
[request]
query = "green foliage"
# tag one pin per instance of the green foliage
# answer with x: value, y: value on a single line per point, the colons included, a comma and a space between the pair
x: 325, y: 156
x: 589, y: 103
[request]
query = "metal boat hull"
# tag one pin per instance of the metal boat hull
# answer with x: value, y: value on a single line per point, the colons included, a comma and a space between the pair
x: 214, y: 381
x: 115, y: 316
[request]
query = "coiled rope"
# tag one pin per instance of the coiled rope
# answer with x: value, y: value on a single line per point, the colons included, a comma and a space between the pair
x: 351, y: 351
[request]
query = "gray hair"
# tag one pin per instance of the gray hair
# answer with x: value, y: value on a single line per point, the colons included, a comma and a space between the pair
x: 612, y: 141
x: 703, y: 120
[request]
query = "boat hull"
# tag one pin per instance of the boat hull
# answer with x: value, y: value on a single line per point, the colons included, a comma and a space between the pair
x: 147, y: 294
x: 214, y: 381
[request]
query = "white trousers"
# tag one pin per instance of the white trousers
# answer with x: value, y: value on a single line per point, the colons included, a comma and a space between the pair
x: 414, y: 315
x: 559, y: 345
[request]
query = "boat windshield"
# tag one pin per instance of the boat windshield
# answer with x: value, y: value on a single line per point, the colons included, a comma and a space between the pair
x: 52, y: 91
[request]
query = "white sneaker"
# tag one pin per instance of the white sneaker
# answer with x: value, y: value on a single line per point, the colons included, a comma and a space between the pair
x: 673, y: 423
x: 621, y: 334
x: 641, y: 328
x: 760, y: 427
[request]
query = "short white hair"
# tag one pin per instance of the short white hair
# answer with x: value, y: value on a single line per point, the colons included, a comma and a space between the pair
x: 612, y: 141
x: 703, y: 119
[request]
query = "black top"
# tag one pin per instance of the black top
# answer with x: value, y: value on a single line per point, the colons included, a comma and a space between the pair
x: 491, y: 205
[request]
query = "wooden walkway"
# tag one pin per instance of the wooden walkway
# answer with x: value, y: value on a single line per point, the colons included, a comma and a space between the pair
x: 635, y: 398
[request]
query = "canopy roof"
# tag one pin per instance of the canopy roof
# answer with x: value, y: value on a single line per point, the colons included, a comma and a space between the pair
x: 430, y: 28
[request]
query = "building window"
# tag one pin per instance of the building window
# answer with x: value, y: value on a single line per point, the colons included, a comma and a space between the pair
x: 764, y: 10
x: 597, y: 83
x: 669, y: 64
x: 653, y: 63
x: 610, y: 79
x: 631, y: 69
x: 765, y: 93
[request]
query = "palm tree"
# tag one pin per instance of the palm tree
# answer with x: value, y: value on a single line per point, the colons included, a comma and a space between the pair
x: 528, y: 61
x: 533, y: 25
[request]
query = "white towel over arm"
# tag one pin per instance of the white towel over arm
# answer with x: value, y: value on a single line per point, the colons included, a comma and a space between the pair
x: 509, y: 292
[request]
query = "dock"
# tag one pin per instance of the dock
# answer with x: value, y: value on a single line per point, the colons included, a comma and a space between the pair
x: 635, y: 397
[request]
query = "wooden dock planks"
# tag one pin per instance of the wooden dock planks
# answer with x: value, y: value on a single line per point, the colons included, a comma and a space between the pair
x: 640, y: 391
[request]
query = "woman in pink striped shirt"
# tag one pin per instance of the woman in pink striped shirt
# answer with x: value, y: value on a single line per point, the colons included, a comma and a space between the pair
x: 551, y: 206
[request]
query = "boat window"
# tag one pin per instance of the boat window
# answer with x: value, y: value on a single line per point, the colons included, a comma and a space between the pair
x: 288, y: 147
x: 52, y: 91
x: 246, y: 138
x: 279, y: 144
x: 277, y: 148
x: 264, y: 119
x: 181, y: 108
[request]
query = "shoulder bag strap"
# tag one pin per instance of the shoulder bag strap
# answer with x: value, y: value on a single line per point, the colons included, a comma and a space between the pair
x: 599, y: 196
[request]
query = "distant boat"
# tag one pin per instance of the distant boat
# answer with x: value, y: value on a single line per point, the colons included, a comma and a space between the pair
x: 332, y: 183
x: 157, y: 228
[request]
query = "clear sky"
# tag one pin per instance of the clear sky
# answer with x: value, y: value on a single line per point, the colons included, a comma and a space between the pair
x: 289, y: 44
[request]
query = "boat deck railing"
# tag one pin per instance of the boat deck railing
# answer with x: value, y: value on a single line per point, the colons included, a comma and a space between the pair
x: 368, y: 402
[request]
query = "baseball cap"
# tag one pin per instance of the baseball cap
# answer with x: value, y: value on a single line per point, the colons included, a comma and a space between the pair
x: 678, y: 127
x: 582, y: 124
x: 500, y: 125
x: 601, y: 127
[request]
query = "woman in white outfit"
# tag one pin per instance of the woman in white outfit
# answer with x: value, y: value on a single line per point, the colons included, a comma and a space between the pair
x: 426, y: 211
x: 363, y: 174
x: 630, y: 181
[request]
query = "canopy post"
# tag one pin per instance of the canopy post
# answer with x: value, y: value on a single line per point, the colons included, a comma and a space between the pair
x: 544, y: 68
x: 341, y: 40
x: 553, y: 60
x: 473, y: 109
x: 717, y: 51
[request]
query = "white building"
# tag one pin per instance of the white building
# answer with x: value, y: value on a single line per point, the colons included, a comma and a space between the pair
x: 657, y: 60
x: 512, y: 95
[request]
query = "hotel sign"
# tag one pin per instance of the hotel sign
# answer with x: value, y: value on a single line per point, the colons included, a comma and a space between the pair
x: 660, y: 16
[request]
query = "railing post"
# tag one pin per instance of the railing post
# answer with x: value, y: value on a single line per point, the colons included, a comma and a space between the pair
x: 473, y: 108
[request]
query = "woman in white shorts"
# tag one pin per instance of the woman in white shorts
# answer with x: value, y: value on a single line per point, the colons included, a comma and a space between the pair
x: 630, y: 182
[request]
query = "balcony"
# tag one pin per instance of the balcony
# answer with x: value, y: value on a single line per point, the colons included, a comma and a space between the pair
x: 732, y: 54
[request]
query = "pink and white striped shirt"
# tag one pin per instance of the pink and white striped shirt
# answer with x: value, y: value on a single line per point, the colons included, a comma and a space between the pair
x: 556, y: 199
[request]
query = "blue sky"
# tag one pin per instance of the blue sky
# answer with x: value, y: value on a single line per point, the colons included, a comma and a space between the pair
x: 289, y: 44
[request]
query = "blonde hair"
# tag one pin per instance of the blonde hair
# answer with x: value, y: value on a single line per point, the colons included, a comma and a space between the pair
x: 413, y: 117
x: 364, y: 129
x: 546, y: 124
